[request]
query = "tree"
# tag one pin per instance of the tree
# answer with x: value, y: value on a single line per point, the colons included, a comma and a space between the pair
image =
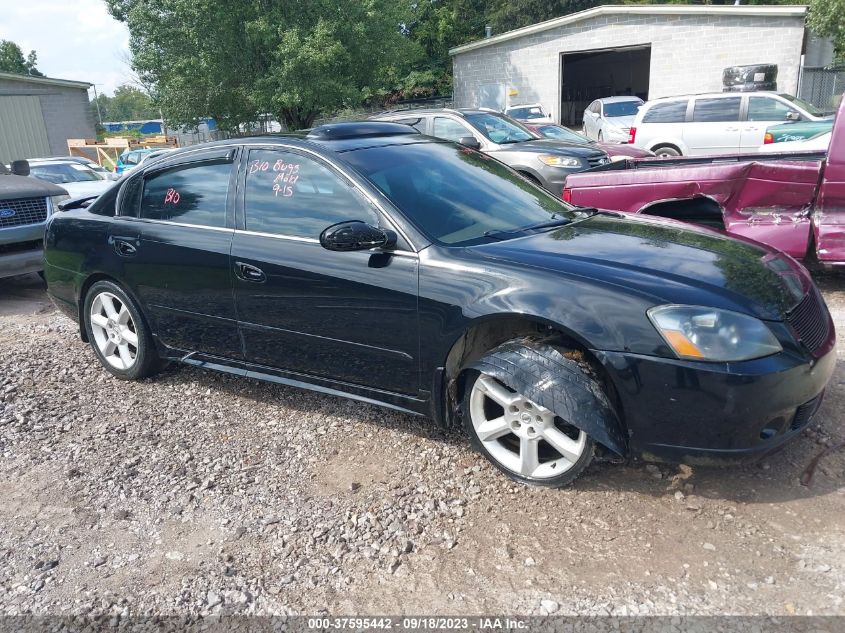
x: 129, y: 103
x: 827, y: 17
x: 236, y: 60
x: 13, y: 61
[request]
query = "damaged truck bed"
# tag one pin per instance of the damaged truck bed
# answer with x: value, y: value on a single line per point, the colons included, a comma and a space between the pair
x: 794, y: 202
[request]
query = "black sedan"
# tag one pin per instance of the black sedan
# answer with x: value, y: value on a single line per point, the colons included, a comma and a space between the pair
x: 368, y: 261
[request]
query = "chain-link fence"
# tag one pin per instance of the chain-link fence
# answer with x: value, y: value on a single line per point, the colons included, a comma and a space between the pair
x: 823, y: 87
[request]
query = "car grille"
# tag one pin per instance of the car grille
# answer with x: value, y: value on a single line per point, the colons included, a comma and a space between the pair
x: 805, y: 412
x: 809, y: 321
x: 22, y: 211
x: 596, y: 161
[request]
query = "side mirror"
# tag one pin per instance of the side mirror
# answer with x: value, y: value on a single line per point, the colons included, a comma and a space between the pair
x: 792, y: 115
x: 470, y: 141
x: 356, y: 236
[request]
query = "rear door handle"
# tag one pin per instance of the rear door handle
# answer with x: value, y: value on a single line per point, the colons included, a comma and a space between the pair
x: 124, y: 246
x: 248, y: 272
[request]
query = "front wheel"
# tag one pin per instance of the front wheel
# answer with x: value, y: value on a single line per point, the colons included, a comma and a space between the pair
x: 118, y: 333
x: 525, y: 440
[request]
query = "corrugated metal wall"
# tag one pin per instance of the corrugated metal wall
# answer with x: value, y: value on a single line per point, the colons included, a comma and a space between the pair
x: 22, y: 130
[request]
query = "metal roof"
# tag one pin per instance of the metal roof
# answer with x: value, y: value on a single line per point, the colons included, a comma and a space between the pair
x: 46, y: 81
x: 659, y: 9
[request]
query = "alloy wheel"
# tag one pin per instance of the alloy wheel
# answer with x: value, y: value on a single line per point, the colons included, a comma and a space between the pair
x: 114, y: 330
x: 521, y: 435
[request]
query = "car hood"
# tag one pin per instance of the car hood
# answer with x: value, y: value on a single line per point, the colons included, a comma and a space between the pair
x: 551, y: 146
x: 12, y: 187
x: 90, y: 188
x: 629, y: 151
x: 666, y: 260
x: 623, y: 122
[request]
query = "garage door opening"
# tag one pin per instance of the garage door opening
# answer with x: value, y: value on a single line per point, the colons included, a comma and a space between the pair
x: 590, y: 75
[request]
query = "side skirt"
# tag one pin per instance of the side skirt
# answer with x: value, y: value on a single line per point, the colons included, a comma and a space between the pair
x: 396, y: 401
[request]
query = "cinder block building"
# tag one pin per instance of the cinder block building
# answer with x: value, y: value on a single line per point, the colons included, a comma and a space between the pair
x: 646, y: 50
x: 38, y: 115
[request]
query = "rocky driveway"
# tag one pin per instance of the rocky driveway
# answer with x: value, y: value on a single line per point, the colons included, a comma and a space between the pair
x: 196, y: 492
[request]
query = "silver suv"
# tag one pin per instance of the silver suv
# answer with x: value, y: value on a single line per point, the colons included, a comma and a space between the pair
x: 544, y: 161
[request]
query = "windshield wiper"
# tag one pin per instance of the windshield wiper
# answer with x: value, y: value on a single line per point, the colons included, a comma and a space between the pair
x: 506, y: 233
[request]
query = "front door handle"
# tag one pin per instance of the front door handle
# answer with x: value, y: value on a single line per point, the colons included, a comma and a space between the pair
x: 248, y: 272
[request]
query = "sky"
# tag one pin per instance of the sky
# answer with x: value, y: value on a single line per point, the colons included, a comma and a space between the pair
x: 74, y: 39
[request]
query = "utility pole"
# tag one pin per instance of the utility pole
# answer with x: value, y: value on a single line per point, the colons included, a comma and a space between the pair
x: 97, y: 101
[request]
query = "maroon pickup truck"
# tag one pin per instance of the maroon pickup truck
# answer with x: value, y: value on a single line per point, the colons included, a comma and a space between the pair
x: 794, y: 202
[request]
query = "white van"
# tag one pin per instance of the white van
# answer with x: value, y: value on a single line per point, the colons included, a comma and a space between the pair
x: 716, y: 123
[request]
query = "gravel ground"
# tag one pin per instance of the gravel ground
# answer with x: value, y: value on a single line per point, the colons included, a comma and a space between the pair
x: 196, y: 493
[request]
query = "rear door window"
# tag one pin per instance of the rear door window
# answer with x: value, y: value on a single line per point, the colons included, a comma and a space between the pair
x: 670, y: 112
x: 716, y: 110
x: 188, y: 194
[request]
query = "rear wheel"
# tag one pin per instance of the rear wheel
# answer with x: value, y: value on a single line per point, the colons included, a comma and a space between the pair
x: 666, y: 151
x: 118, y: 333
x: 523, y: 439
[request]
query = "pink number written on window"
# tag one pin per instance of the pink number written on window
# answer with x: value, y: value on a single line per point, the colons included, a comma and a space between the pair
x: 172, y: 196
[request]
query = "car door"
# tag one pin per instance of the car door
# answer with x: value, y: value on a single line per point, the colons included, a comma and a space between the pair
x: 452, y: 130
x: 714, y: 127
x: 761, y: 113
x: 171, y: 241
x: 342, y: 316
x: 590, y: 116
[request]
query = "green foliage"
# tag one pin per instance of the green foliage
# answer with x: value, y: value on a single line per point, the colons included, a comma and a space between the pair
x: 827, y: 17
x: 236, y: 60
x: 12, y: 60
x: 128, y: 104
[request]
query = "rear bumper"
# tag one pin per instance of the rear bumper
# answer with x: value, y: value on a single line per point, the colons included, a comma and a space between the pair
x: 711, y: 414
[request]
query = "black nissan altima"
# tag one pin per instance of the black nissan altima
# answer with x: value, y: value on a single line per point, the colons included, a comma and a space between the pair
x: 367, y: 261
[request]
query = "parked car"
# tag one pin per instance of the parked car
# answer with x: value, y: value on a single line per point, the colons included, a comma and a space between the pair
x: 616, y: 151
x: 715, y: 123
x: 25, y: 205
x: 130, y: 159
x: 798, y: 131
x: 369, y: 261
x: 543, y: 161
x: 104, y: 173
x: 794, y: 202
x: 610, y: 119
x: 817, y: 143
x: 77, y: 179
x: 529, y: 113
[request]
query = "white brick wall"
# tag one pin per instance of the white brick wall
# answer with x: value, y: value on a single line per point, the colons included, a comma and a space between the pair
x: 688, y: 54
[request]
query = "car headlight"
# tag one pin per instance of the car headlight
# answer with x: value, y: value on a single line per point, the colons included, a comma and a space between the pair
x: 708, y: 334
x: 559, y: 161
x: 55, y: 200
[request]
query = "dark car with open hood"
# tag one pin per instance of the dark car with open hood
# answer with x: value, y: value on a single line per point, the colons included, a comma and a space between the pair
x: 368, y: 261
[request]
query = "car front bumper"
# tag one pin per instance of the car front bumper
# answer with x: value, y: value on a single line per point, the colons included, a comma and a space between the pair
x: 716, y: 413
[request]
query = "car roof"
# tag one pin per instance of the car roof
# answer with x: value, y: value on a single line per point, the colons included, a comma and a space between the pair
x: 54, y: 161
x: 335, y: 137
x: 620, y: 99
x: 458, y: 111
x: 710, y: 95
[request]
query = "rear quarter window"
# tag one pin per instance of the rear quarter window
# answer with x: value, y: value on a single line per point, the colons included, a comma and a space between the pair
x: 670, y: 112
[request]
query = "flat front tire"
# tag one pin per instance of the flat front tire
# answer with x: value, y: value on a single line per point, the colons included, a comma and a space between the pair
x: 523, y: 439
x: 118, y: 333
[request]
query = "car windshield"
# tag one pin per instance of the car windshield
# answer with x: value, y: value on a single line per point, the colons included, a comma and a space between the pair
x: 562, y: 133
x: 809, y: 108
x: 499, y: 129
x: 528, y: 112
x: 621, y: 108
x: 455, y: 195
x: 61, y: 173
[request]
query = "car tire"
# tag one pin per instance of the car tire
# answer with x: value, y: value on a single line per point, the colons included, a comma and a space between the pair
x: 666, y: 151
x: 119, y: 333
x: 510, y: 431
